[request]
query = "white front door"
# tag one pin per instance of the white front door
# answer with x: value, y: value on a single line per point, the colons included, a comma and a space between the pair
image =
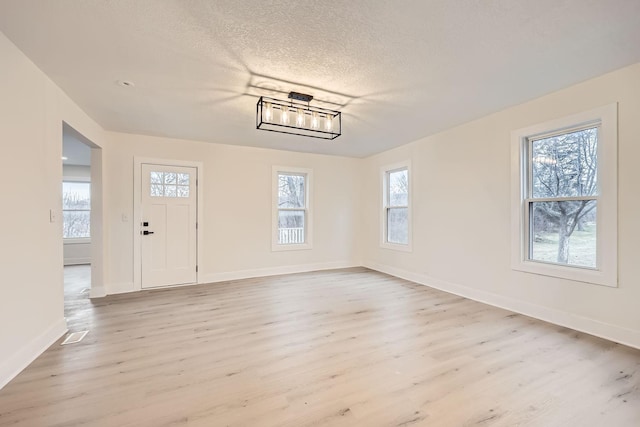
x: 168, y: 225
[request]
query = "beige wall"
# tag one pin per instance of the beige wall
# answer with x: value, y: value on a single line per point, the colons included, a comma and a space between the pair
x: 237, y: 208
x: 461, y: 231
x: 461, y: 211
x: 32, y: 110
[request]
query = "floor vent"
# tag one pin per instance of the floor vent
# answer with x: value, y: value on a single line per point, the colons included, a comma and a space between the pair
x: 74, y: 337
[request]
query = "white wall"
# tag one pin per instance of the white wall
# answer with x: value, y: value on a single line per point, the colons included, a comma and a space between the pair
x: 237, y: 208
x: 32, y: 109
x: 76, y: 251
x: 461, y: 211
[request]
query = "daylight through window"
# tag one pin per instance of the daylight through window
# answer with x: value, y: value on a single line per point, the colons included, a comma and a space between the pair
x: 292, y: 208
x: 396, y: 212
x: 562, y: 197
x: 169, y: 184
x: 76, y: 210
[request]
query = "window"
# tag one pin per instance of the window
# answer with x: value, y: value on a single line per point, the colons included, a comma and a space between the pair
x: 396, y: 215
x: 291, y: 208
x: 169, y: 184
x: 565, y: 207
x: 76, y: 210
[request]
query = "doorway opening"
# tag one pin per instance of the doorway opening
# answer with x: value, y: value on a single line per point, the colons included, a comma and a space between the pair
x: 81, y: 224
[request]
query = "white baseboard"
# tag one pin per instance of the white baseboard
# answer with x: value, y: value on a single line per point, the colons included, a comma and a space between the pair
x: 119, y: 288
x: 27, y: 354
x: 600, y: 329
x: 274, y: 271
x: 97, y: 292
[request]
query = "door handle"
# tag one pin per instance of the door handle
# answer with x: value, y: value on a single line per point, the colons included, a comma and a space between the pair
x: 146, y: 232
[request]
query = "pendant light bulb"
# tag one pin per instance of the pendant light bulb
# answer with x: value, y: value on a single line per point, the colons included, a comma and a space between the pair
x: 315, y: 122
x: 300, y: 118
x: 328, y: 123
x: 268, y: 112
x: 285, y: 115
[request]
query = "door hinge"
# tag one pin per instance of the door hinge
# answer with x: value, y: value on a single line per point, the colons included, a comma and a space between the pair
x: 196, y: 225
x: 196, y: 268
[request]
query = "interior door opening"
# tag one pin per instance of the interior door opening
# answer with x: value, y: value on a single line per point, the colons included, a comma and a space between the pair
x: 81, y: 223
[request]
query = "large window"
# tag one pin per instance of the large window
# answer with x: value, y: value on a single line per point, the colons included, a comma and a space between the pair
x: 562, y: 197
x: 76, y: 210
x: 396, y: 215
x: 291, y: 203
x: 566, y: 202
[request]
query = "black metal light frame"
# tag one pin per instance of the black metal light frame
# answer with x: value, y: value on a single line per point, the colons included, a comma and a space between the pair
x: 298, y: 101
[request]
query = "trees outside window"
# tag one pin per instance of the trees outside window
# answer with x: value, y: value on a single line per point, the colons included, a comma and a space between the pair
x: 396, y: 212
x: 76, y: 210
x: 564, y: 197
x: 291, y: 208
x: 291, y: 201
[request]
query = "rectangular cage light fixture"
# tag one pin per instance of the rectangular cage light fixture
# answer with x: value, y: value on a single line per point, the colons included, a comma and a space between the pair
x: 297, y: 117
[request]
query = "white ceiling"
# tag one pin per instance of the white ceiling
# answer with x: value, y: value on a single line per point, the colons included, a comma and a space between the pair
x: 74, y: 149
x: 402, y: 69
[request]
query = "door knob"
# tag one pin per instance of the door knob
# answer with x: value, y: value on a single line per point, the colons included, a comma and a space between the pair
x: 147, y: 232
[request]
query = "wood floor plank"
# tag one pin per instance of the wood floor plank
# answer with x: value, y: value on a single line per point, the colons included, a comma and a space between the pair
x: 347, y: 347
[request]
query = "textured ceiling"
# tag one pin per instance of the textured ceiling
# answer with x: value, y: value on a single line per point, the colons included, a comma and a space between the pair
x: 400, y: 69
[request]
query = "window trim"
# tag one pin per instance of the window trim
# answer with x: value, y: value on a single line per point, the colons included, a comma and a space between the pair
x: 308, y: 209
x: 606, y: 270
x: 76, y: 240
x: 384, y: 186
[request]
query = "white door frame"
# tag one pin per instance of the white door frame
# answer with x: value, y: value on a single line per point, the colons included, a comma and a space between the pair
x: 137, y: 212
x: 97, y: 221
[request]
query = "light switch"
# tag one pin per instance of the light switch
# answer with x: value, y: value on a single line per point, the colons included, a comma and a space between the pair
x: 125, y: 217
x: 52, y: 215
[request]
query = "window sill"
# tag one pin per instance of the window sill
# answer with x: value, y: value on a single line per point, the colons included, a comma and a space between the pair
x: 576, y: 274
x: 396, y: 247
x: 296, y: 247
x: 76, y: 241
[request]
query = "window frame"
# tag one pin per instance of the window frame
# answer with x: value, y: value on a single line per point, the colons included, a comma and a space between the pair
x: 63, y: 210
x: 308, y: 213
x: 385, y: 172
x: 605, y: 272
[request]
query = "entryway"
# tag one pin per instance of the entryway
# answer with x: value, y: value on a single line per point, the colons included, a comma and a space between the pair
x: 167, y: 231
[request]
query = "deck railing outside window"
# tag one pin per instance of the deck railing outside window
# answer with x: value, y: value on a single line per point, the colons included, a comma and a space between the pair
x: 291, y: 235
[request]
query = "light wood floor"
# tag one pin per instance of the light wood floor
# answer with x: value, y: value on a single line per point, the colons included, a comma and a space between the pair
x: 338, y: 348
